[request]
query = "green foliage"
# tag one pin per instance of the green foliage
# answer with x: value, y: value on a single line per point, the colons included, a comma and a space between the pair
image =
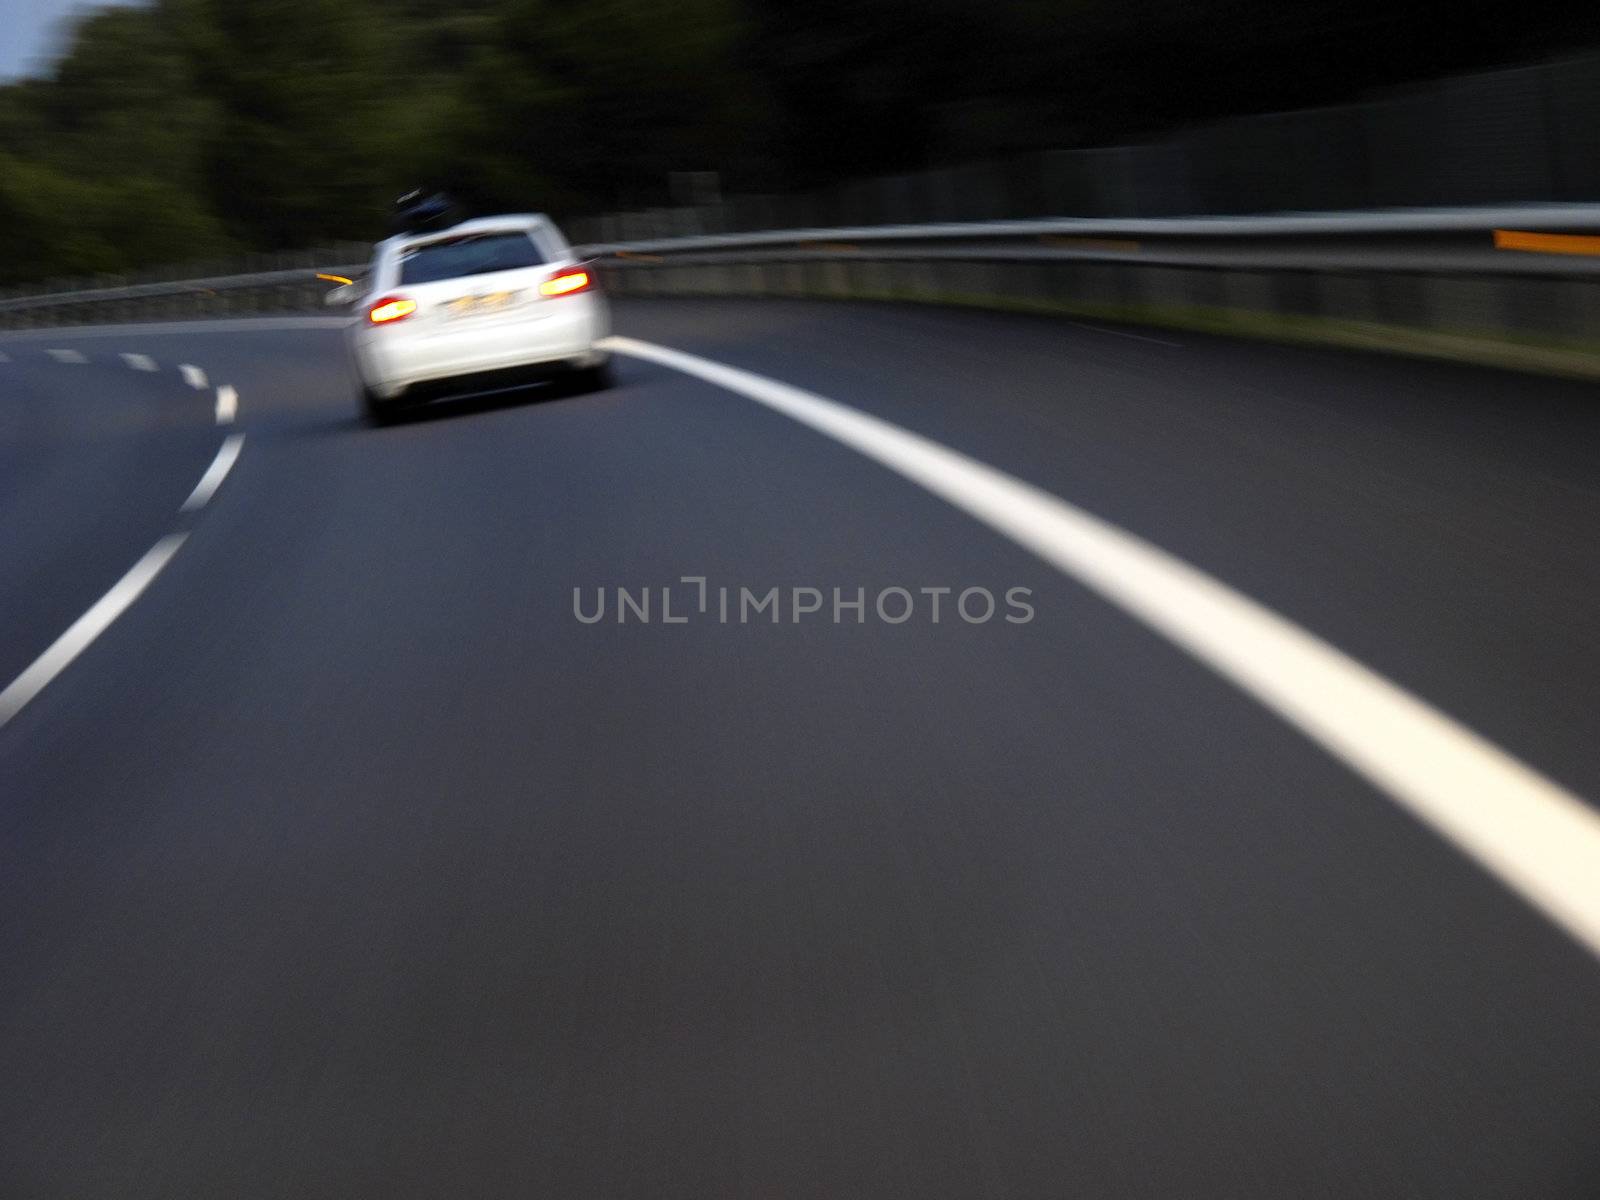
x: 101, y: 166
x: 568, y: 103
x: 272, y: 123
x: 53, y: 223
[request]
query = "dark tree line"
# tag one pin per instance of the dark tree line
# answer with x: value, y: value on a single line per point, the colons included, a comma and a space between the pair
x: 184, y: 129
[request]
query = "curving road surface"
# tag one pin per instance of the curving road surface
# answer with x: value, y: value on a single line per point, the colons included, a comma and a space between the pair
x: 341, y: 858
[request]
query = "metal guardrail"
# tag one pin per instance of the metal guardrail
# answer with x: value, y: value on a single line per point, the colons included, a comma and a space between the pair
x: 1440, y: 244
x: 1298, y: 224
x: 251, y: 283
x: 1443, y: 240
x: 261, y: 292
x: 183, y: 287
x: 1435, y: 271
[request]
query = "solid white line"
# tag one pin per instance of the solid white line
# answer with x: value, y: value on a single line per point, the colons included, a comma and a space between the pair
x: 1123, y: 333
x: 1537, y: 838
x: 215, y: 473
x: 87, y: 627
x: 193, y: 376
x: 227, y: 404
x: 140, y: 362
x: 67, y: 356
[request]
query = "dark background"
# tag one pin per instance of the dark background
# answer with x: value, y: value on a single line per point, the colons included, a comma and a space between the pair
x: 188, y: 129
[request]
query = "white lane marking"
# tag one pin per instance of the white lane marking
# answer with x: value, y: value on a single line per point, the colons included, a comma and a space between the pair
x: 1123, y: 333
x: 87, y: 627
x: 1537, y: 838
x: 215, y: 473
x: 140, y: 362
x: 67, y: 356
x: 124, y: 592
x: 227, y: 404
x: 193, y: 376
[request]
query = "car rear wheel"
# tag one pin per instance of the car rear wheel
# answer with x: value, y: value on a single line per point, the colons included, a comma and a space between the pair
x: 374, y: 410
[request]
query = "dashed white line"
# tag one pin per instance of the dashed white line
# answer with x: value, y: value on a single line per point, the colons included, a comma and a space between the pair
x: 87, y: 627
x: 215, y: 473
x: 123, y: 593
x: 227, y: 404
x: 67, y: 356
x: 193, y: 376
x: 140, y: 362
x: 1540, y: 840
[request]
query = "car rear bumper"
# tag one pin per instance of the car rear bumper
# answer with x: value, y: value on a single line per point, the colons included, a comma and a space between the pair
x: 394, y: 361
x: 496, y: 379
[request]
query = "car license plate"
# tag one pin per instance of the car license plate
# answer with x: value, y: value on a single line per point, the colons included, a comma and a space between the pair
x: 477, y: 305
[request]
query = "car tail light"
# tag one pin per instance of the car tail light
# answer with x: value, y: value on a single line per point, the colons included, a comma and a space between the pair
x: 567, y: 282
x: 391, y: 308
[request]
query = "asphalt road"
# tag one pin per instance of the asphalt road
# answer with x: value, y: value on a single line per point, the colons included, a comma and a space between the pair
x: 348, y: 862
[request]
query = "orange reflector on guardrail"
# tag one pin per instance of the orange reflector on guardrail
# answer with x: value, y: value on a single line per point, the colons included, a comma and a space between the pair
x: 1546, y: 243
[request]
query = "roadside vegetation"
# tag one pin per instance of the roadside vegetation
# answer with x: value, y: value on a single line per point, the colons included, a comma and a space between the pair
x: 185, y: 129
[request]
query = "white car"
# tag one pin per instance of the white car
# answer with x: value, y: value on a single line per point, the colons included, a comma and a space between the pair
x: 489, y: 303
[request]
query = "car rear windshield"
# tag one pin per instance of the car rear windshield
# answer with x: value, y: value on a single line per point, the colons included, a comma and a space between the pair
x: 471, y: 254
